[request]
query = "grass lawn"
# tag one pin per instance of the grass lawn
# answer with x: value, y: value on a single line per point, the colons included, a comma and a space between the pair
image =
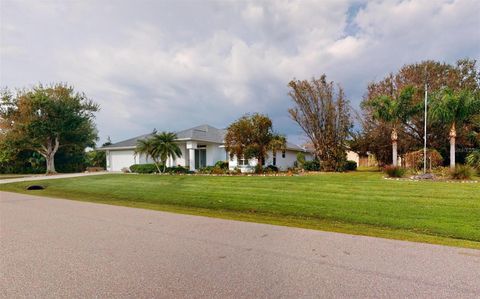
x: 357, y: 202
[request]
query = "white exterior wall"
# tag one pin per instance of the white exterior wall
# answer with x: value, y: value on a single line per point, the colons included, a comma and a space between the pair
x: 215, y: 153
x: 352, y: 156
x: 282, y: 163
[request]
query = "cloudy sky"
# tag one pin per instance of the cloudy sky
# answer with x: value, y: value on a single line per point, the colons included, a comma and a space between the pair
x: 171, y: 65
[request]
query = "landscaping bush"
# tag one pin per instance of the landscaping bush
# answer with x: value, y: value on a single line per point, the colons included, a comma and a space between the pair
x: 177, y: 169
x: 311, y: 165
x: 222, y: 165
x: 441, y: 171
x: 350, y: 165
x: 212, y: 170
x: 395, y: 171
x: 473, y: 160
x: 461, y: 172
x: 415, y: 159
x: 143, y: 168
x: 270, y: 169
x: 300, y: 160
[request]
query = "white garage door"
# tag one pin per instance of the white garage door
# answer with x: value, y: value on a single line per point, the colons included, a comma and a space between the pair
x: 121, y: 159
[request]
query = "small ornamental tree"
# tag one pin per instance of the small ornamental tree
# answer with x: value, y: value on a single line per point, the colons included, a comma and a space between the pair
x: 46, y: 118
x: 165, y: 147
x: 252, y: 136
x: 159, y: 147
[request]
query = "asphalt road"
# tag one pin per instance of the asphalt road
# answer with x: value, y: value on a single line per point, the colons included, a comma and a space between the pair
x: 61, y: 248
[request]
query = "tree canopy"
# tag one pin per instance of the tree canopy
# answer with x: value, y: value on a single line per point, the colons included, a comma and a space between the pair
x: 252, y: 136
x: 46, y: 118
x: 459, y: 77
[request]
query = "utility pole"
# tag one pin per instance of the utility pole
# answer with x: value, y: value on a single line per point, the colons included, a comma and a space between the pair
x: 425, y: 134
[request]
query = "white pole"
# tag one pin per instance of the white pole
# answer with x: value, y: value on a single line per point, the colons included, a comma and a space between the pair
x: 425, y: 135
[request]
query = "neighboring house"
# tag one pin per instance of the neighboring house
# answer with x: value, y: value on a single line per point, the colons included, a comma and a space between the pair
x: 362, y: 160
x: 201, y: 146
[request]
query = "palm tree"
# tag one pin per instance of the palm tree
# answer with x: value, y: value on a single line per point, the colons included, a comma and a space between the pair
x: 147, y: 147
x: 165, y: 147
x: 453, y: 108
x: 393, y: 111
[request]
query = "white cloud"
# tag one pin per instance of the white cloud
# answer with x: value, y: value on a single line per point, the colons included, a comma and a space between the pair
x: 171, y: 65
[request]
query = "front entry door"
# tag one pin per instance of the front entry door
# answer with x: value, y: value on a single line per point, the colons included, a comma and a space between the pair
x: 200, y: 158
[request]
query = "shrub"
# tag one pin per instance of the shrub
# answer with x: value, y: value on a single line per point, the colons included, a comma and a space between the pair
x: 395, y: 171
x: 143, y: 168
x: 461, y: 172
x: 473, y: 160
x: 218, y: 170
x: 300, y: 159
x: 205, y: 170
x: 271, y: 169
x: 236, y: 170
x: 350, y: 165
x: 222, y: 165
x: 177, y: 169
x: 313, y: 165
x: 441, y: 171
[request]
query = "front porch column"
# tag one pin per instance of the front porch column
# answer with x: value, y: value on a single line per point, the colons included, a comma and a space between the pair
x: 191, y: 146
x: 191, y: 159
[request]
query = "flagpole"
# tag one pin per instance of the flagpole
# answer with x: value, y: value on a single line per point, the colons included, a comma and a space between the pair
x: 425, y: 134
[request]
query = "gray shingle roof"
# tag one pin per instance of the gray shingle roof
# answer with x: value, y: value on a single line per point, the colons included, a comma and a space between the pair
x: 199, y: 133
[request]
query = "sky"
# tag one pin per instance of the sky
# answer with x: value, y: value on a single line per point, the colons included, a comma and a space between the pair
x: 172, y: 65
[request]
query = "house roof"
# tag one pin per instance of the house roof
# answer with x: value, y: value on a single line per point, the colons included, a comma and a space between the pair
x: 205, y: 133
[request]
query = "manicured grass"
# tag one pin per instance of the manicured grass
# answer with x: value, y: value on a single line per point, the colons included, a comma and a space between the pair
x: 357, y: 202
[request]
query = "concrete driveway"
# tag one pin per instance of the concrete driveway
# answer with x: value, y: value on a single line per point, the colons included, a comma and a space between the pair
x: 61, y: 248
x: 50, y: 177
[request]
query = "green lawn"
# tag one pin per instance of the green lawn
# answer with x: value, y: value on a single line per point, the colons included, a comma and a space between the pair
x: 357, y: 202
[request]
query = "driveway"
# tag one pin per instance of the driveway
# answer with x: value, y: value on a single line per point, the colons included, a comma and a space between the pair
x: 62, y: 248
x: 50, y: 177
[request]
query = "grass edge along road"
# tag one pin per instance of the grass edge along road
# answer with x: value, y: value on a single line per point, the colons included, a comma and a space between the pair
x: 359, y: 203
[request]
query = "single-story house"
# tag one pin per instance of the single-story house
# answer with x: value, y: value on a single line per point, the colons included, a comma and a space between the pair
x: 201, y: 146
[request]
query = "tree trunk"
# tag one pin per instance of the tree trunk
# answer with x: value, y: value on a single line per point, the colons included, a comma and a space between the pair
x: 50, y: 163
x: 156, y: 165
x: 394, y: 137
x: 164, y: 165
x: 453, y: 135
x: 48, y: 152
x: 260, y: 164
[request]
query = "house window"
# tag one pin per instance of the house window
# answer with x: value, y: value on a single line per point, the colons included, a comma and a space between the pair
x: 274, y: 158
x: 242, y: 162
x: 283, y: 154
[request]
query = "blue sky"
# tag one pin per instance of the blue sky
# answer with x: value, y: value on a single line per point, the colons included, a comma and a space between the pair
x: 171, y: 65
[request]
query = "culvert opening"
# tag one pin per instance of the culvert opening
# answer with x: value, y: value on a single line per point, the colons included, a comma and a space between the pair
x: 35, y: 187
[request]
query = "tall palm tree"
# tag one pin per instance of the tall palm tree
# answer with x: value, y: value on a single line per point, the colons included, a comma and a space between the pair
x: 147, y: 147
x: 454, y: 108
x: 165, y: 147
x: 394, y: 110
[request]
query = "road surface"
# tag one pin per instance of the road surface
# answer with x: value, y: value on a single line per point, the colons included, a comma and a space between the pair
x: 62, y: 248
